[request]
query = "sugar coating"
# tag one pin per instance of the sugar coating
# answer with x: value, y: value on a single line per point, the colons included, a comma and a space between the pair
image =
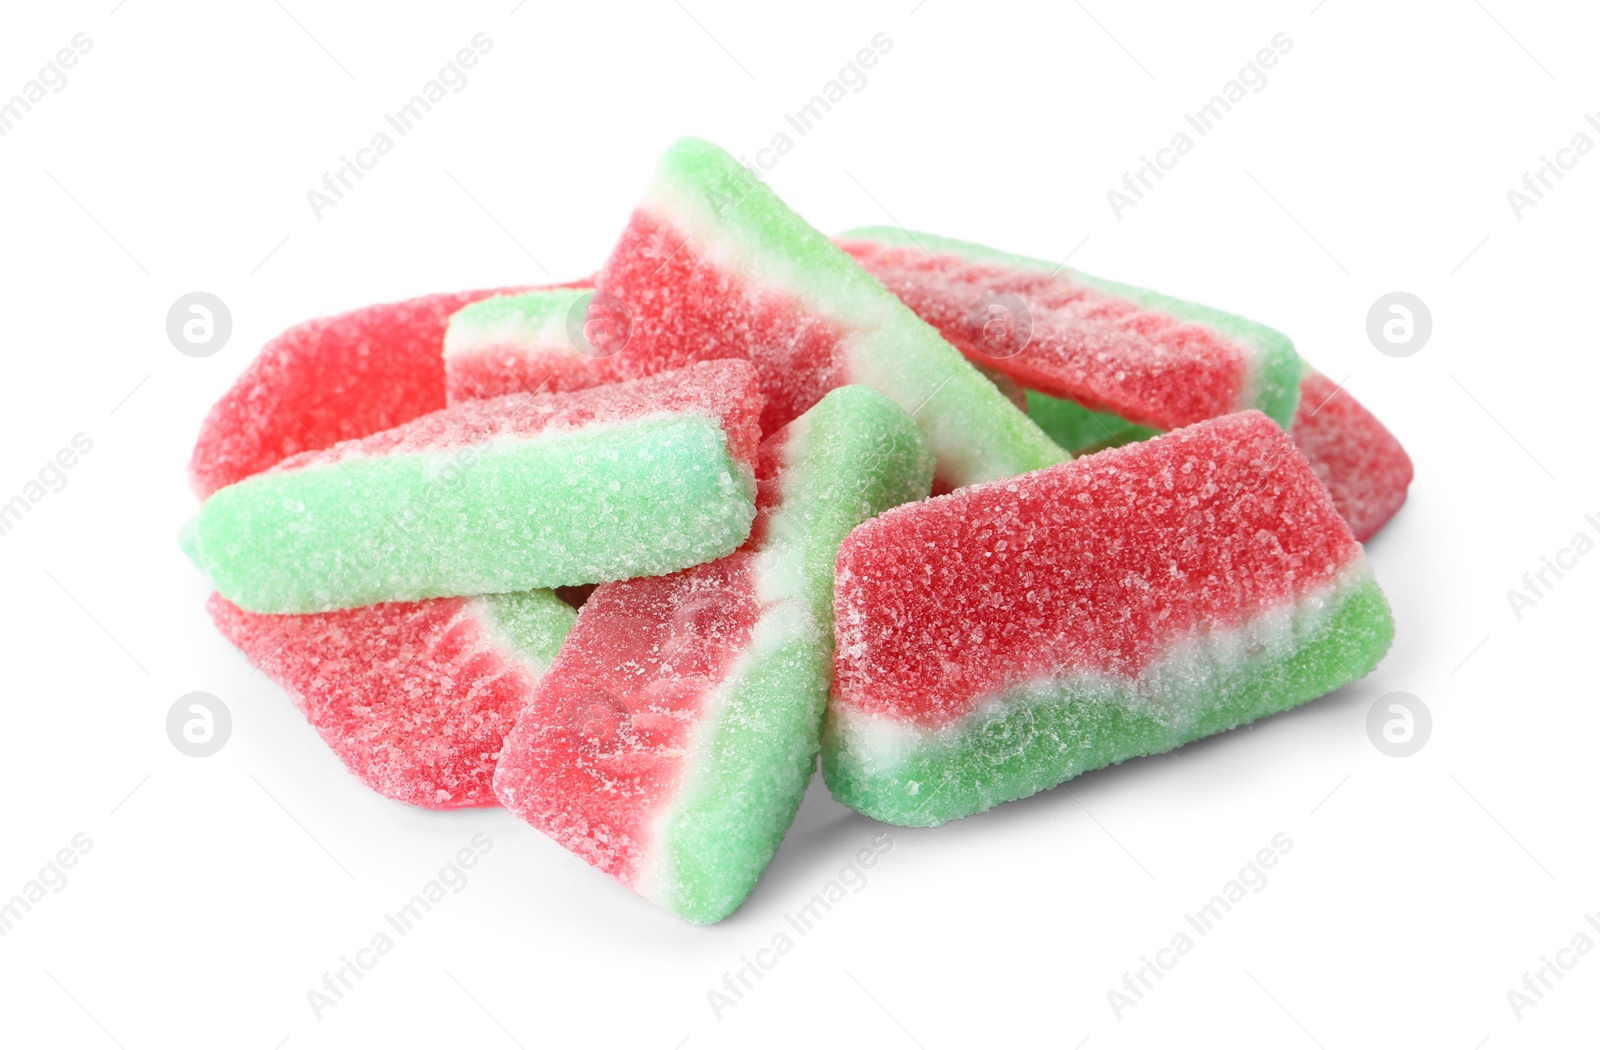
x: 325, y: 381
x: 1363, y: 465
x: 850, y: 457
x: 491, y: 496
x: 713, y: 264
x: 672, y: 741
x: 750, y: 758
x: 1096, y: 565
x: 414, y: 697
x: 602, y: 750
x: 1032, y: 736
x: 997, y: 640
x: 510, y: 344
x: 1155, y: 360
x: 854, y: 455
x: 724, y: 391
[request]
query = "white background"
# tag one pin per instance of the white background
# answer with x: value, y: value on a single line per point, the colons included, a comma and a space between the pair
x: 1377, y: 158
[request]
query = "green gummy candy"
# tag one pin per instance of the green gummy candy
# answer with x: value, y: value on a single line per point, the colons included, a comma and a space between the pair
x: 611, y: 502
x: 1078, y: 429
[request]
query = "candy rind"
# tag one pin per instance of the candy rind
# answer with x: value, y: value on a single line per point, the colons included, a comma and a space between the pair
x: 754, y: 757
x: 1363, y: 466
x: 672, y: 742
x: 1270, y: 375
x: 328, y: 380
x: 415, y: 698
x: 1080, y: 430
x: 851, y: 456
x: 508, y: 344
x: 1033, y: 739
x: 757, y: 281
x: 1157, y: 592
x: 502, y: 495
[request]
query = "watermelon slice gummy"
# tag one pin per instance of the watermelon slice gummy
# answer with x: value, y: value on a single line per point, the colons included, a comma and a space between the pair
x: 538, y: 340
x: 508, y: 494
x: 671, y: 742
x: 414, y: 697
x: 713, y: 264
x: 999, y: 640
x: 326, y: 381
x: 1149, y: 358
x: 1363, y: 466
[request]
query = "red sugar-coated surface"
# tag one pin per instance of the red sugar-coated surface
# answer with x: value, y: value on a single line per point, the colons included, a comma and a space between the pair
x: 1105, y: 353
x: 725, y: 390
x: 771, y: 460
x: 600, y: 752
x: 1096, y: 565
x: 1363, y: 466
x: 701, y: 618
x: 495, y: 370
x: 326, y: 381
x: 412, y: 696
x: 683, y: 308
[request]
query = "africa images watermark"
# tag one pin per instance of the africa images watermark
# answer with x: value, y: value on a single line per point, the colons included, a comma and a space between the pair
x: 452, y: 878
x: 52, y: 877
x: 52, y: 477
x: 1536, y: 183
x: 1538, y: 583
x: 850, y: 879
x: 451, y: 78
x: 1537, y: 984
x: 851, y: 79
x: 1252, y: 878
x: 1251, y: 79
x: 52, y: 76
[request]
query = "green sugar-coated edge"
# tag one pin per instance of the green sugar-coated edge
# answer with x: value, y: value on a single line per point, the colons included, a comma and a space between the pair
x: 739, y: 803
x: 189, y: 542
x: 1045, y: 733
x: 852, y: 456
x: 1080, y: 430
x: 532, y: 624
x: 975, y: 432
x: 513, y: 318
x: 1275, y: 378
x: 1274, y: 386
x: 514, y: 514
